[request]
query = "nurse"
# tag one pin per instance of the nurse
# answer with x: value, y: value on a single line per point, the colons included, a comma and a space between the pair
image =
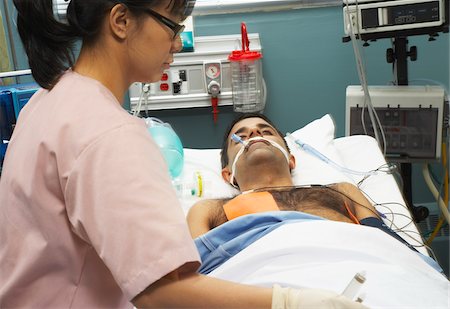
x: 88, y: 216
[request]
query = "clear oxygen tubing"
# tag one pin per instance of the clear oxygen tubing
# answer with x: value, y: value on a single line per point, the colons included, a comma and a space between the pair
x: 311, y: 150
x: 442, y: 206
x: 376, y: 123
x: 245, y: 144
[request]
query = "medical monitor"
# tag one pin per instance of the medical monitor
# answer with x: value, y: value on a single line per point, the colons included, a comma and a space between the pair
x: 373, y: 19
x: 411, y: 117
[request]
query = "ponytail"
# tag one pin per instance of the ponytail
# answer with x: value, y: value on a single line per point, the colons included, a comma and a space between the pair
x: 47, y: 42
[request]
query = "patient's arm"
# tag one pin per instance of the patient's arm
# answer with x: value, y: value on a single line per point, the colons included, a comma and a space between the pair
x: 362, y: 207
x: 199, y: 217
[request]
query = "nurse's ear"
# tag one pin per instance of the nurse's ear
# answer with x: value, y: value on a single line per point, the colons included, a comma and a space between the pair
x: 119, y: 21
x: 177, y: 45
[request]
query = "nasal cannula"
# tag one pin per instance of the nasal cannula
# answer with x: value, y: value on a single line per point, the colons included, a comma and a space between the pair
x: 316, y: 153
x: 238, y: 139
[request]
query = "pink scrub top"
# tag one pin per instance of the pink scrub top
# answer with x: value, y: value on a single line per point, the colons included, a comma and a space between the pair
x: 88, y: 216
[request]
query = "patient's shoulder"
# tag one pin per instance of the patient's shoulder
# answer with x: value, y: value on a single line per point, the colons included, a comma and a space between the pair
x: 209, y: 208
x: 202, y: 216
x: 344, y: 185
x: 206, y: 205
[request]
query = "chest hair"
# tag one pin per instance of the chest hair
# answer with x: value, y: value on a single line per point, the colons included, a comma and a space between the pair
x: 319, y: 201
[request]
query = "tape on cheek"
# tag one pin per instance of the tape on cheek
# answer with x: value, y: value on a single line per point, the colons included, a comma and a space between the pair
x: 233, y: 166
x: 286, y: 155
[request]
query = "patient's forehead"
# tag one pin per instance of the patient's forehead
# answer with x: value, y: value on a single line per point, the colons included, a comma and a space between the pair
x: 249, y: 123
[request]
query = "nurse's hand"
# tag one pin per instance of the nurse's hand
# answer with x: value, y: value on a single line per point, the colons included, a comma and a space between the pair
x: 288, y: 298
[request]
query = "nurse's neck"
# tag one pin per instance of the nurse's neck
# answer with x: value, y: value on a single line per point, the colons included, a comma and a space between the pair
x: 104, y: 67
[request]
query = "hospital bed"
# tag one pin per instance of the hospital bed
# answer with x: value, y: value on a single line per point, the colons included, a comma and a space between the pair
x: 328, y: 254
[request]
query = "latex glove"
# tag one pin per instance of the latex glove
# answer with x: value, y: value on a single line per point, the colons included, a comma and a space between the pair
x: 288, y: 298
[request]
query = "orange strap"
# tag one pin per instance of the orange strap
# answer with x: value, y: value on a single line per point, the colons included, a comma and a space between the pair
x: 249, y: 203
x: 352, y: 216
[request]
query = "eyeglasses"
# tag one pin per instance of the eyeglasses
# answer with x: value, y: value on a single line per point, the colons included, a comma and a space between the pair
x: 175, y: 27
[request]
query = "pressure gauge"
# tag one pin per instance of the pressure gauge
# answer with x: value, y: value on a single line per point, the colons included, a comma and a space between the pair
x: 212, y: 76
x: 213, y: 81
x: 212, y: 70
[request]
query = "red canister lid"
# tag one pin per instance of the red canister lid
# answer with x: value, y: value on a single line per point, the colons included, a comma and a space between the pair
x: 245, y: 53
x: 239, y: 55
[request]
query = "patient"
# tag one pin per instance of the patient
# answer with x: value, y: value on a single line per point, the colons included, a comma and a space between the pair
x: 263, y: 174
x: 276, y: 232
x: 259, y: 164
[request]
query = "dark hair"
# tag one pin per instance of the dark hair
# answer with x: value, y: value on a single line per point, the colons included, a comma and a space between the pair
x: 49, y: 43
x: 223, y: 152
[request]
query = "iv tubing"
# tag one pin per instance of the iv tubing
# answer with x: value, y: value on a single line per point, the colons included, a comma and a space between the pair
x: 375, y: 121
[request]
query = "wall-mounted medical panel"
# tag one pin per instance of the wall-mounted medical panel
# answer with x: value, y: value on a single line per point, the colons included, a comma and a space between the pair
x: 184, y: 85
x: 411, y: 117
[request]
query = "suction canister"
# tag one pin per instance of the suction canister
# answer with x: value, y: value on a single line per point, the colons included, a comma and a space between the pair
x: 246, y: 77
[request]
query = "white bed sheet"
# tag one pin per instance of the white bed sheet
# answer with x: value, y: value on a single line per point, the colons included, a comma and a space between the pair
x: 359, y: 153
x: 327, y: 254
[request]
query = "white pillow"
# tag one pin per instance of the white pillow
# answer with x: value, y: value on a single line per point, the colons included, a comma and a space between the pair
x: 309, y: 170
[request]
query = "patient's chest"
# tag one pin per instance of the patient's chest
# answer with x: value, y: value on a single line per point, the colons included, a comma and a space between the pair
x: 310, y: 199
x: 322, y: 201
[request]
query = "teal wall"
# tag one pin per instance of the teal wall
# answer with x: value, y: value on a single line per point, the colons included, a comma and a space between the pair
x: 307, y: 69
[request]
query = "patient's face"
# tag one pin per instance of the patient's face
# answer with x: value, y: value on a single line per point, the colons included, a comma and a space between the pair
x: 255, y: 127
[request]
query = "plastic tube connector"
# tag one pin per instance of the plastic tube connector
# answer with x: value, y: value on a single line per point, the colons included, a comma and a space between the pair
x: 353, y: 288
x: 237, y: 139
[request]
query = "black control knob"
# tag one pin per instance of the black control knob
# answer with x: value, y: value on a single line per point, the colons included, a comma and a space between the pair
x: 420, y: 213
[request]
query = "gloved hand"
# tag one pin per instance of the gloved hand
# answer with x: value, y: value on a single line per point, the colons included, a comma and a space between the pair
x: 289, y: 298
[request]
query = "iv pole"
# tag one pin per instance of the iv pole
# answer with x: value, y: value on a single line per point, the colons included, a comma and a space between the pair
x: 398, y: 55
